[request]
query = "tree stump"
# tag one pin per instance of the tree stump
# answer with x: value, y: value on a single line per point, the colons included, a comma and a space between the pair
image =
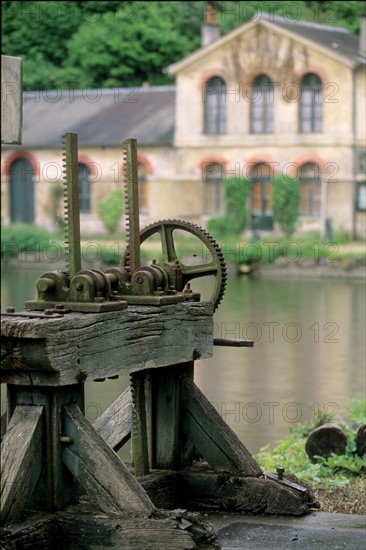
x: 361, y: 440
x: 326, y: 440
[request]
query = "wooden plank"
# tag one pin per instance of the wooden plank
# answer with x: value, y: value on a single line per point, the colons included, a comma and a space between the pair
x: 85, y: 527
x: 211, y: 436
x: 60, y: 485
x: 38, y: 530
x: 99, y: 469
x: 4, y: 423
x: 200, y: 488
x: 170, y: 447
x: 114, y: 425
x: 21, y: 459
x: 11, y: 100
x: 98, y: 345
x: 162, y: 488
x: 139, y: 431
x: 65, y: 488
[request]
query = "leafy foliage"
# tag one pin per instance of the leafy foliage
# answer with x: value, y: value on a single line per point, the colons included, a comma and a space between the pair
x: 235, y: 219
x: 111, y: 209
x: 336, y: 471
x: 23, y: 237
x: 285, y: 199
x: 115, y: 43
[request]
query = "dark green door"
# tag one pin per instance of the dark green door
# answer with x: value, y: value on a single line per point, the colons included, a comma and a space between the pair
x: 262, y: 217
x: 21, y: 183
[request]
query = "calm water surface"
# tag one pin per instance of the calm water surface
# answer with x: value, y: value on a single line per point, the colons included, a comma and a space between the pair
x: 309, y: 353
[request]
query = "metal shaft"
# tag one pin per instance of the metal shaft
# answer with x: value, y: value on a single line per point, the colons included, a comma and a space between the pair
x: 233, y: 343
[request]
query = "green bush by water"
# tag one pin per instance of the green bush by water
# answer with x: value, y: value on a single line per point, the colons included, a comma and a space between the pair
x: 23, y: 237
x: 337, y: 470
x: 110, y: 210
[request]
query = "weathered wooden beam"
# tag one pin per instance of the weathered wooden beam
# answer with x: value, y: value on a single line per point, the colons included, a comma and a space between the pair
x: 139, y: 431
x: 84, y: 527
x: 37, y: 530
x: 114, y: 425
x: 86, y: 346
x: 21, y: 459
x: 162, y: 488
x: 3, y: 423
x: 57, y: 481
x: 211, y: 436
x: 170, y: 448
x: 81, y: 529
x: 202, y: 488
x: 99, y: 469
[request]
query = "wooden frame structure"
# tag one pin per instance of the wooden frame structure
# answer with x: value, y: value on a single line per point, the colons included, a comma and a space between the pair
x: 50, y: 449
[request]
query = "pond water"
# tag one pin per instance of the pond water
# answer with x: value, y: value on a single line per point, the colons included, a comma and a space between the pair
x: 309, y: 353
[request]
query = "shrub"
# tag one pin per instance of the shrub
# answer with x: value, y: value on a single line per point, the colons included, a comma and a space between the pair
x: 20, y: 237
x: 111, y: 209
x: 336, y: 471
x: 218, y: 225
x: 285, y: 199
x: 235, y: 219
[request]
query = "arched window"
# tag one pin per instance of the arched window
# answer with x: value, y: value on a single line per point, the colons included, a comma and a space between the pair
x: 143, y: 187
x: 261, y: 113
x: 213, y: 188
x: 310, y: 189
x: 21, y: 187
x: 84, y: 188
x: 311, y: 104
x: 215, y: 106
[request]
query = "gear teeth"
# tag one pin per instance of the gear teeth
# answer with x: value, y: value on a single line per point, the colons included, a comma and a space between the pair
x: 205, y: 237
x: 132, y: 255
x: 71, y: 203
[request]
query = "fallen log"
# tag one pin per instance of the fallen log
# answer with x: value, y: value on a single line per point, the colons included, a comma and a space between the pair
x: 326, y: 440
x: 201, y: 488
x: 360, y: 440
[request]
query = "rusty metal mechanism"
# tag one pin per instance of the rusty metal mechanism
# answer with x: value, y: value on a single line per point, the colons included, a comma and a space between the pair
x: 160, y: 283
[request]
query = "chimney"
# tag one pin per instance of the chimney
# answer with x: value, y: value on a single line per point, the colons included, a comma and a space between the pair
x: 210, y: 31
x: 362, y: 36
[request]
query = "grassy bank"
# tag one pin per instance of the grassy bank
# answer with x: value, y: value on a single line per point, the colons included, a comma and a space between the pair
x: 339, y: 482
x: 307, y: 249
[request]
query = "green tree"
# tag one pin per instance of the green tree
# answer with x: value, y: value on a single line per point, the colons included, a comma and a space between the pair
x: 115, y: 43
x: 235, y: 218
x: 111, y: 209
x: 285, y: 199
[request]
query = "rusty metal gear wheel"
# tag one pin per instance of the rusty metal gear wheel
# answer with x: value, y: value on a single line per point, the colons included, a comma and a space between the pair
x: 215, y: 267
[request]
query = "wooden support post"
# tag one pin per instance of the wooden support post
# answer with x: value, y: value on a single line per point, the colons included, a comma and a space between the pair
x: 56, y: 487
x: 139, y: 431
x: 4, y: 423
x: 171, y: 450
x: 114, y: 425
x: 99, y: 469
x: 21, y: 459
x: 211, y: 436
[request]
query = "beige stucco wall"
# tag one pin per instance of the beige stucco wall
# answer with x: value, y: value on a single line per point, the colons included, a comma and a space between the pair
x: 174, y: 174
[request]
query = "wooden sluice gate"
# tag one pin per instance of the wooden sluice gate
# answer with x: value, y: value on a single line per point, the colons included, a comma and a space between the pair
x: 61, y: 473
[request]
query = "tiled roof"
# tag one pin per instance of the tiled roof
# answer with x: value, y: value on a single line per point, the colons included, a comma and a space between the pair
x: 338, y: 39
x: 100, y: 117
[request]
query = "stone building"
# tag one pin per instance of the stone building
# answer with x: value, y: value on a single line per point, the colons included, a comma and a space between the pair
x: 272, y: 96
